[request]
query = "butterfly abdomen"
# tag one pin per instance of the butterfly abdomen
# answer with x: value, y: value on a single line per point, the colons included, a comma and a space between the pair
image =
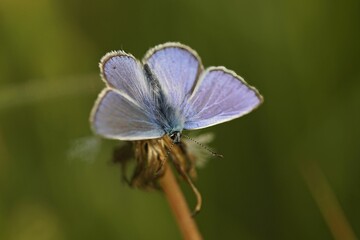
x: 167, y: 116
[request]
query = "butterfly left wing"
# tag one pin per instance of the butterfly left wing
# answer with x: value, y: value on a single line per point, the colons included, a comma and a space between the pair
x: 117, y: 116
x: 219, y: 96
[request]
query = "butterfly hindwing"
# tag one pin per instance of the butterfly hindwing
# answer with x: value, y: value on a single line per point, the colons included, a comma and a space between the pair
x: 116, y: 116
x: 219, y: 96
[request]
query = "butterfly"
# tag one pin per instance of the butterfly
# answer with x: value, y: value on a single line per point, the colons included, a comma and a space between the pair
x: 167, y: 92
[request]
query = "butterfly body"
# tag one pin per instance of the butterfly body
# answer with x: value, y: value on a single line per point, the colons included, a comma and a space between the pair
x: 168, y: 92
x: 167, y: 117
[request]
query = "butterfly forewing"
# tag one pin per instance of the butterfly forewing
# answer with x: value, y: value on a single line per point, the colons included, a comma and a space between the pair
x: 123, y: 72
x: 177, y: 68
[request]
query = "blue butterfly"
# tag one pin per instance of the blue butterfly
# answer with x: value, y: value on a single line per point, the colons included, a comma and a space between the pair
x: 166, y: 93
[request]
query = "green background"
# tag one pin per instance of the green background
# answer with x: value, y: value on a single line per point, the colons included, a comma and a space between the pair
x: 303, y: 56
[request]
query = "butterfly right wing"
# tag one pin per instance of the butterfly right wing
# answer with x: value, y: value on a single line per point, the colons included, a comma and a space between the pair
x: 125, y: 109
x: 177, y: 67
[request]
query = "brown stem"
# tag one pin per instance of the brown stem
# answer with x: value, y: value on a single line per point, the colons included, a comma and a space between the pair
x: 327, y: 201
x: 179, y: 206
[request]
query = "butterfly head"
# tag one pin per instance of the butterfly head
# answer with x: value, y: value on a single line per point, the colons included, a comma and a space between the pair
x: 175, y: 136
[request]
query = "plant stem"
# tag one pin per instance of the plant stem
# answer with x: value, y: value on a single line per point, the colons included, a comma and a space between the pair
x: 179, y: 206
x: 327, y: 201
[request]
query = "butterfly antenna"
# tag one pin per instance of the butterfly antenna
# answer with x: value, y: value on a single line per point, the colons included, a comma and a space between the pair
x: 205, y: 147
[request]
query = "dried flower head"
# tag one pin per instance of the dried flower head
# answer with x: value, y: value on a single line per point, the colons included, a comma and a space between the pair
x: 151, y: 157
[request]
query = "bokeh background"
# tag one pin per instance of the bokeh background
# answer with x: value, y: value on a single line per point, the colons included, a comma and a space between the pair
x: 291, y: 168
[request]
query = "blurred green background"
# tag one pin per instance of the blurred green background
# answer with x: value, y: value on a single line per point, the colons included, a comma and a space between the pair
x: 303, y: 56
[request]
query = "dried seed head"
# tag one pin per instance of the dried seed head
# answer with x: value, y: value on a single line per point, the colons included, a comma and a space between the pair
x: 151, y: 156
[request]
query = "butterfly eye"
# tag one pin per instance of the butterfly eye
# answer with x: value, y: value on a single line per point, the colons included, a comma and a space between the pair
x: 175, y: 136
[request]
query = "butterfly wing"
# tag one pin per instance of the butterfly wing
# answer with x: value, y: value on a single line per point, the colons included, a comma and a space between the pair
x: 125, y: 109
x: 116, y: 116
x: 219, y: 96
x: 121, y: 71
x: 177, y: 68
